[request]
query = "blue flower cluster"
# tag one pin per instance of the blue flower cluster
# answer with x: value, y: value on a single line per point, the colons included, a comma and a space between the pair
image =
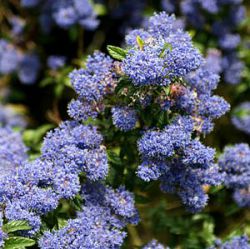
x: 163, y: 87
x: 154, y: 245
x: 9, y: 57
x: 75, y: 148
x: 13, y: 151
x: 241, y: 242
x: 100, y: 222
x: 124, y: 118
x: 64, y: 13
x: 92, y: 84
x: 166, y: 52
x: 241, y: 117
x: 182, y: 164
x: 9, y: 117
x: 200, y: 13
x: 68, y: 151
x: 26, y: 66
x: 225, y: 31
x: 163, y: 55
x: 37, y: 186
x: 235, y: 164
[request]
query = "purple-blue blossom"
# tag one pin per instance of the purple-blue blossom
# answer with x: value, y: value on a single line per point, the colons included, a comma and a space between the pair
x: 96, y: 80
x: 233, y: 68
x: 28, y: 68
x: 204, y: 13
x: 13, y: 152
x: 242, y: 196
x: 82, y: 110
x: 241, y: 117
x: 55, y: 62
x: 241, y: 242
x: 167, y: 52
x: 154, y: 244
x: 17, y: 25
x: 124, y: 118
x: 100, y: 223
x: 235, y: 162
x: 9, y: 57
x: 9, y: 117
x: 76, y: 148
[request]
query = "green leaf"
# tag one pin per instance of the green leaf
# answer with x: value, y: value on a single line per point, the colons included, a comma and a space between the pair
x: 116, y: 52
x: 140, y: 42
x: 167, y: 46
x: 114, y: 158
x: 61, y: 223
x: 16, y: 225
x: 33, y: 137
x: 47, y: 81
x: 18, y: 243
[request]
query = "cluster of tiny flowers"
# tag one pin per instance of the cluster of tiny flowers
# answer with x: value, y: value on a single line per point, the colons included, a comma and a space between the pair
x: 64, y: 13
x: 26, y: 66
x: 154, y: 245
x: 35, y: 188
x: 75, y: 148
x: 182, y: 164
x: 13, y: 151
x: 124, y: 118
x: 92, y: 84
x: 199, y: 13
x: 10, y: 118
x: 167, y: 52
x: 24, y: 187
x: 241, y: 117
x: 241, y: 242
x: 67, y: 151
x: 99, y: 224
x: 55, y: 62
x: 235, y: 164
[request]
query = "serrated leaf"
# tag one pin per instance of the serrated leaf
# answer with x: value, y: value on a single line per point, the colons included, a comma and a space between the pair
x: 116, y: 52
x: 18, y: 243
x: 16, y: 225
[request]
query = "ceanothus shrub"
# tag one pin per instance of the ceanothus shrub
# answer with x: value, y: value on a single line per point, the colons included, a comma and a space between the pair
x: 139, y: 115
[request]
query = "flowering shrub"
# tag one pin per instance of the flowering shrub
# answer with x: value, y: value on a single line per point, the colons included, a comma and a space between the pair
x: 123, y: 146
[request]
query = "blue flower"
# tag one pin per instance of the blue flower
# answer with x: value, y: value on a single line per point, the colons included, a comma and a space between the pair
x: 55, y: 62
x: 235, y: 162
x: 241, y: 117
x: 124, y: 118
